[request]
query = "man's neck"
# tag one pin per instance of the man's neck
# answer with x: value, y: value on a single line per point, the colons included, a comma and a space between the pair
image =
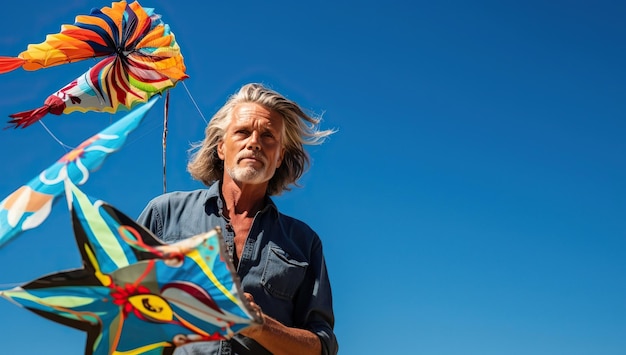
x: 242, y: 200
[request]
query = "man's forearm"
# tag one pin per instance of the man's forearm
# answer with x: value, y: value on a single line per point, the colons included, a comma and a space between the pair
x: 280, y: 339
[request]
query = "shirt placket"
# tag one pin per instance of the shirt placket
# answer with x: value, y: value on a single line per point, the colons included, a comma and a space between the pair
x: 248, y: 248
x: 227, y: 230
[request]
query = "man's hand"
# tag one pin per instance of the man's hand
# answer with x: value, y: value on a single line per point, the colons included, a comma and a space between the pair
x: 278, y: 338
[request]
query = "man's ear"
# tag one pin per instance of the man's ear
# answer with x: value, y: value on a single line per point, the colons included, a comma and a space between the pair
x: 220, y: 149
x: 281, y: 157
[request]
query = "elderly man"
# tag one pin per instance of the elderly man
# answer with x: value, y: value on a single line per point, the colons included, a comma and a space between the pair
x: 254, y: 148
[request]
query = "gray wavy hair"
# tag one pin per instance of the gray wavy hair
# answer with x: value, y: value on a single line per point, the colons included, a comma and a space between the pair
x: 299, y: 129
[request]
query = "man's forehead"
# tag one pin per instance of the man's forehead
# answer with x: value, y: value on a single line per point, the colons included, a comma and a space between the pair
x: 256, y: 114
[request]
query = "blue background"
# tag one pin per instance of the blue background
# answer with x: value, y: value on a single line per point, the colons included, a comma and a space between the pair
x: 471, y: 202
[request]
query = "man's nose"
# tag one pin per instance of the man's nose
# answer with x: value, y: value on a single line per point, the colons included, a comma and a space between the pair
x: 253, y: 141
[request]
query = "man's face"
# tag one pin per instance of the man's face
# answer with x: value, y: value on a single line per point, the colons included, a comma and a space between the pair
x: 252, y: 147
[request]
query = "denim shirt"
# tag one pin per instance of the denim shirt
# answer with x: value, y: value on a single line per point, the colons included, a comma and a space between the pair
x: 282, y: 264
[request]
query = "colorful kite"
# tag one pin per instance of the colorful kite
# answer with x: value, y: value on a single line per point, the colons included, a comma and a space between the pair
x: 141, y: 59
x: 136, y: 294
x: 29, y: 206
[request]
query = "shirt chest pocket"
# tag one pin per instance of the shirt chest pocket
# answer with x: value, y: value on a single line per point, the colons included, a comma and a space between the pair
x: 282, y: 275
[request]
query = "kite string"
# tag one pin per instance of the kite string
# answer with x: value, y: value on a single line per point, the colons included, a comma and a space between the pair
x: 65, y: 146
x: 194, y: 103
x: 165, y: 122
x: 165, y: 116
x: 129, y: 142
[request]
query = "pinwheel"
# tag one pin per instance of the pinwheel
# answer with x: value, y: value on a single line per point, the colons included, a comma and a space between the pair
x: 136, y: 294
x: 29, y: 205
x: 140, y: 58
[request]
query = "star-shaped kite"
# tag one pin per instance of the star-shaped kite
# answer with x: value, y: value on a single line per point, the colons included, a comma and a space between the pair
x: 136, y: 294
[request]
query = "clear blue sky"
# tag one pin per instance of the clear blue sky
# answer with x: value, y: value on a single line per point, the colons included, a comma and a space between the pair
x: 473, y: 200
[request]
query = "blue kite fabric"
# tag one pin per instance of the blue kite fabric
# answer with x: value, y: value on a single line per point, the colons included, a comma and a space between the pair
x: 28, y: 206
x: 135, y: 294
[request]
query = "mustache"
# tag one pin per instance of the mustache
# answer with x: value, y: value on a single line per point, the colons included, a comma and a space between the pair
x: 251, y: 155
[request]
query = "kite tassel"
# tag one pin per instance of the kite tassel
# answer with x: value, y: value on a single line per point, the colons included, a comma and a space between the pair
x: 24, y: 119
x: 8, y: 64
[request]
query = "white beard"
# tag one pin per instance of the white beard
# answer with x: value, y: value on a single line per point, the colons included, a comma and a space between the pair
x: 248, y: 175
